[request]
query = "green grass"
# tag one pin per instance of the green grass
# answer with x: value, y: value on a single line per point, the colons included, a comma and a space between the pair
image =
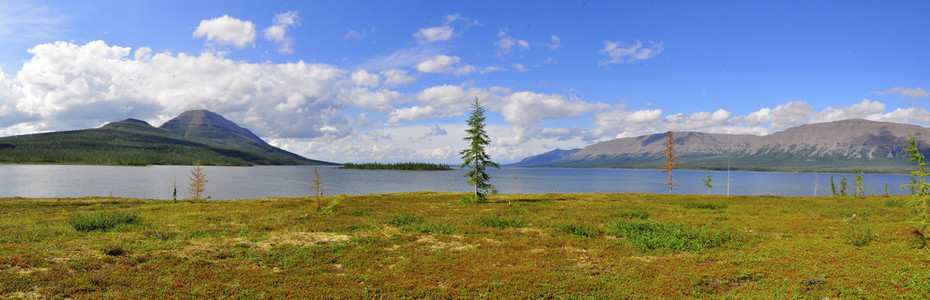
x: 427, y: 245
x: 651, y: 235
x: 101, y: 220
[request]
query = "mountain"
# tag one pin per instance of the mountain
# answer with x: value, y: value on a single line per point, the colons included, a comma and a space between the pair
x: 193, y: 136
x: 840, y: 146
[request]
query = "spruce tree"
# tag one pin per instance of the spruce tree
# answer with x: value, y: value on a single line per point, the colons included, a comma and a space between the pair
x: 474, y: 157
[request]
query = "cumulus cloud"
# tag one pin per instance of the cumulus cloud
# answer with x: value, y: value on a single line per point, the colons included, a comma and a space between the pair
x: 444, y: 64
x: 788, y: 114
x: 80, y: 86
x: 397, y: 77
x: 616, y: 53
x: 226, y: 30
x: 620, y: 122
x: 506, y: 44
x: 697, y: 121
x: 363, y: 78
x: 439, y: 102
x: 433, y: 34
x: 865, y: 109
x: 906, y: 92
x: 278, y: 31
x: 444, y: 32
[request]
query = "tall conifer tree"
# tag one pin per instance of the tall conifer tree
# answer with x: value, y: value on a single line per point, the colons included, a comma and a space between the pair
x: 474, y: 157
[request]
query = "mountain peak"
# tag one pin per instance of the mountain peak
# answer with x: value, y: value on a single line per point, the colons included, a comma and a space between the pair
x: 205, y: 124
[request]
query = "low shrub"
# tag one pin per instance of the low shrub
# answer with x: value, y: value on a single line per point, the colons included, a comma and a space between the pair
x: 650, y: 235
x: 402, y: 220
x: 101, y: 220
x: 708, y: 206
x: 638, y: 213
x: 501, y: 222
x: 858, y: 234
x: 580, y: 230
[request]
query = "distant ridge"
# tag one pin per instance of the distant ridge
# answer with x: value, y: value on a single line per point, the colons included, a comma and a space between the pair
x: 194, y: 136
x: 841, y: 146
x: 207, y: 125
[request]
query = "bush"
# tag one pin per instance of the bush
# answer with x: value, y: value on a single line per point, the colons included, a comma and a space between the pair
x: 709, y: 206
x: 472, y: 199
x: 101, y: 220
x: 402, y: 220
x: 501, y: 222
x: 857, y: 234
x: 648, y: 235
x: 586, y: 230
x: 638, y: 213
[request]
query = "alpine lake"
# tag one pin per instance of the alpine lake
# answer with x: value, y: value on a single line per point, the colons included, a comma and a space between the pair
x: 231, y: 183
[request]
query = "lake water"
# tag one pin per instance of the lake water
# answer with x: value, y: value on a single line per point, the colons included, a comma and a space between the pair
x: 157, y: 182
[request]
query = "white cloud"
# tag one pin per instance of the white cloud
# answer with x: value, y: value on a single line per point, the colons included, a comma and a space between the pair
x: 520, y: 67
x: 434, y: 34
x: 697, y: 121
x: 865, y: 109
x: 397, y: 77
x: 620, y: 122
x: 444, y: 32
x: 491, y: 69
x: 465, y: 70
x: 81, y: 86
x: 506, y: 44
x: 555, y: 42
x: 906, y: 92
x: 782, y: 116
x: 227, y: 31
x: 438, y: 64
x: 277, y: 32
x: 363, y: 78
x: 616, y: 53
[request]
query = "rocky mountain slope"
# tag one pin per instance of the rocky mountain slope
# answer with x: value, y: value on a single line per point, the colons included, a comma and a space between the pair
x: 836, y: 146
x: 193, y: 136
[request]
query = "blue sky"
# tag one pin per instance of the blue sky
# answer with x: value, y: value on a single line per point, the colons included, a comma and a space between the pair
x: 392, y: 80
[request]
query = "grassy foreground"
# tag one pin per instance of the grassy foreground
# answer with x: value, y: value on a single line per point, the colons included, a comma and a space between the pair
x: 427, y: 245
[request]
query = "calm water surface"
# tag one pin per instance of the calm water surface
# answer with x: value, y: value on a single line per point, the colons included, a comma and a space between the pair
x: 157, y: 182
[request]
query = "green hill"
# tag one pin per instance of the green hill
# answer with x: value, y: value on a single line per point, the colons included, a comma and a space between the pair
x: 135, y: 142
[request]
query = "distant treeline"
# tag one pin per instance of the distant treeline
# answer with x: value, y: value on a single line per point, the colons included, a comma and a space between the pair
x: 407, y: 166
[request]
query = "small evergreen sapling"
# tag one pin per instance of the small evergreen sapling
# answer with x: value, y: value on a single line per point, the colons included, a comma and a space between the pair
x: 858, y: 187
x: 843, y: 185
x: 198, y: 181
x: 707, y: 182
x: 920, y: 188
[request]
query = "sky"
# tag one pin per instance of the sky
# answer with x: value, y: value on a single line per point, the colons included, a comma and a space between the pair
x: 390, y: 81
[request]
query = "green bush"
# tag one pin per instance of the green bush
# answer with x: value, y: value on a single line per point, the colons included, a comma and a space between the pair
x: 638, y: 213
x: 501, y: 222
x: 709, y: 206
x: 402, y: 220
x: 649, y: 235
x: 586, y: 230
x: 858, y: 234
x: 101, y: 220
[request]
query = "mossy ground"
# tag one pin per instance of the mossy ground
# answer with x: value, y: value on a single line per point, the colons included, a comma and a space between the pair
x: 427, y: 245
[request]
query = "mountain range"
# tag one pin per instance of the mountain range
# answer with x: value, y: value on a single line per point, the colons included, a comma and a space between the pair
x: 840, y: 146
x: 194, y: 136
